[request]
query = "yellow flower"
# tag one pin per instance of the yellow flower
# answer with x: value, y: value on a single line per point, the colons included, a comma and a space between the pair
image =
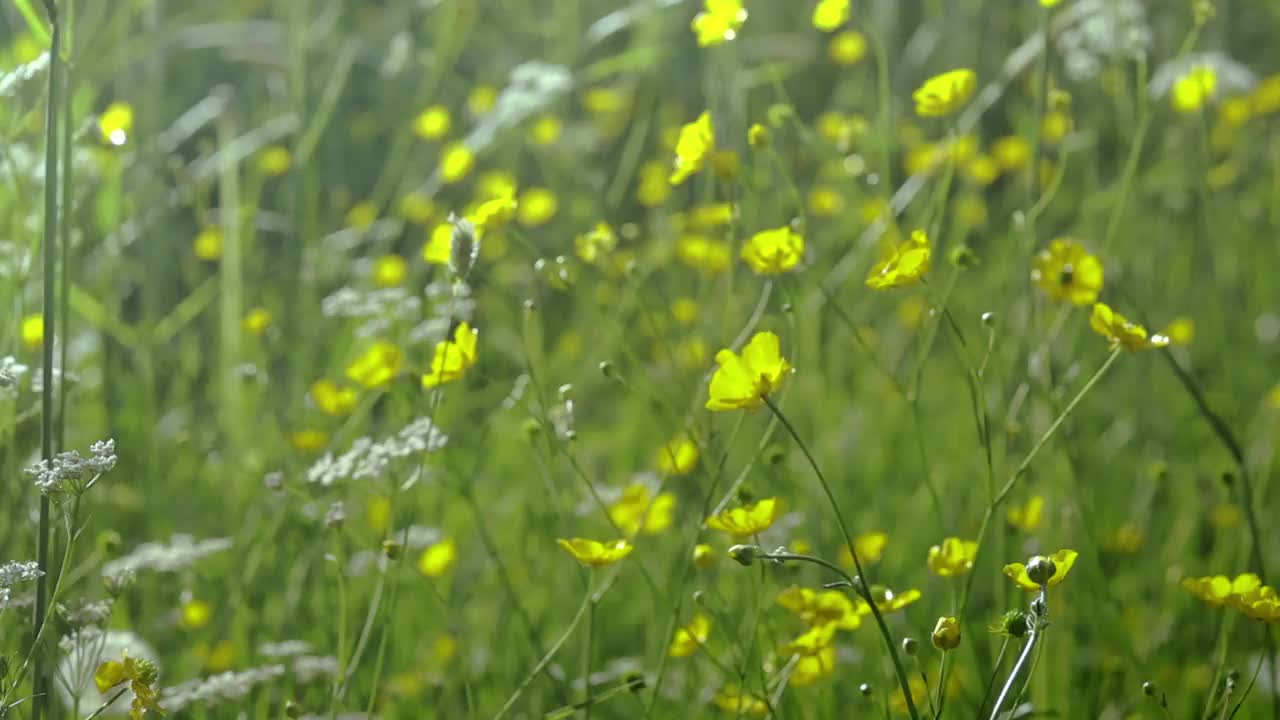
x: 1055, y: 126
x: 1181, y: 331
x: 1191, y: 92
x: 638, y: 511
x: 1011, y: 152
x: 496, y: 212
x: 733, y: 699
x: 830, y: 14
x: 1050, y: 3
x: 944, y: 94
x: 452, y: 358
x: 438, y: 559
x: 537, y: 206
x: 432, y: 123
x: 596, y: 244
x: 825, y: 201
x: 870, y: 547
x: 417, y: 208
x: 1121, y: 332
x: 743, y: 382
x: 748, y: 519
x: 847, y: 48
x: 709, y: 217
x: 439, y: 246
x: 377, y: 366
x: 331, y: 399
x: 887, y: 600
x: 946, y: 634
x: 378, y: 513
x: 697, y: 141
x: 1061, y: 560
x: 309, y: 440
x: 274, y: 160
x: 482, y: 99
x: 141, y: 674
x: 362, y: 214
x: 593, y: 553
x: 1027, y: 517
x: 677, y: 457
x: 704, y: 556
x: 116, y: 123
x: 195, y: 614
x: 905, y: 264
x: 771, y: 252
x: 813, y: 640
x: 32, y: 331
x: 719, y: 22
x: 953, y: 557
x: 545, y: 130
x: 1126, y: 539
x: 828, y: 607
x: 1245, y: 593
x: 1068, y: 273
x: 703, y: 253
x: 690, y: 638
x: 982, y: 169
x: 208, y: 244
x: 256, y: 321
x: 812, y: 668
x: 456, y: 161
x: 389, y: 271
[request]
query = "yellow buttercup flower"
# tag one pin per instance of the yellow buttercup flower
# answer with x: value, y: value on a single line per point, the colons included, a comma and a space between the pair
x: 1067, y: 272
x: 362, y: 214
x: 697, y: 142
x: 494, y: 213
x: 704, y: 556
x: 819, y: 608
x: 115, y: 124
x: 274, y: 160
x: 1011, y: 152
x: 593, y: 553
x: 743, y: 382
x: 208, y: 244
x: 887, y: 600
x: 847, y: 48
x: 309, y: 440
x: 432, y: 123
x: 771, y: 252
x: 813, y: 640
x: 1121, y: 332
x: 653, y: 186
x: 639, y: 511
x: 1061, y: 563
x: 332, y: 399
x: 747, y: 520
x: 389, y: 271
x: 439, y: 246
x: 377, y: 366
x: 537, y: 206
x: 452, y: 358
x: 32, y: 331
x: 953, y: 557
x: 256, y: 321
x: 677, y: 457
x: 1181, y: 331
x: 690, y: 638
x: 733, y: 699
x: 810, y: 669
x: 141, y: 675
x: 944, y: 94
x: 417, y: 208
x: 1191, y: 92
x: 946, y: 634
x: 195, y: 614
x: 905, y: 264
x: 719, y: 21
x: 596, y: 244
x: 870, y: 547
x: 438, y: 559
x: 830, y: 14
x: 456, y: 161
x: 1027, y: 517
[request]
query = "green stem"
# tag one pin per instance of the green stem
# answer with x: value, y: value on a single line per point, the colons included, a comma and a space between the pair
x: 551, y: 653
x: 863, y: 587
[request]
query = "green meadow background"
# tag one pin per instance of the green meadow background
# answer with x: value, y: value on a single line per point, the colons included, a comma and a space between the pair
x: 246, y: 189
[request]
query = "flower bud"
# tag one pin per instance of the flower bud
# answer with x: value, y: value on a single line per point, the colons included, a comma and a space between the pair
x: 1014, y: 624
x: 148, y: 673
x: 758, y: 136
x: 865, y: 689
x: 1041, y: 569
x: 910, y: 646
x: 293, y: 709
x: 704, y: 556
x: 946, y: 634
x: 988, y: 319
x: 391, y: 549
x: 608, y: 369
x: 744, y: 554
x: 1149, y: 689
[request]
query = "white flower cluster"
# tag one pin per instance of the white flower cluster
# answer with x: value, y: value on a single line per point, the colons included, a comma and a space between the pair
x: 311, y: 667
x: 14, y: 573
x: 451, y: 302
x: 367, y: 459
x: 214, y: 689
x: 11, y: 372
x: 284, y: 648
x: 1232, y: 77
x: 52, y: 476
x: 181, y: 552
x: 1116, y: 30
x: 378, y: 309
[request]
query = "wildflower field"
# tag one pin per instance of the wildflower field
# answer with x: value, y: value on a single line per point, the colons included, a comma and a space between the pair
x: 639, y: 359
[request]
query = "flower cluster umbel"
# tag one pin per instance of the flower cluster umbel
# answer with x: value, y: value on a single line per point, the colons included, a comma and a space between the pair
x: 71, y: 472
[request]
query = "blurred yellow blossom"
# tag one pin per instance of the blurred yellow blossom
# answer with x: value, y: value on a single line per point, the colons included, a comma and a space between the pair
x: 116, y: 123
x: 697, y: 141
x: 810, y: 669
x: 417, y: 208
x: 433, y: 123
x: 1181, y: 331
x: 719, y: 21
x: 847, y: 48
x: 1066, y: 272
x: 32, y: 331
x: 690, y: 638
x: 703, y: 253
x: 771, y: 252
x: 593, y: 553
x: 825, y: 201
x: 331, y: 399
x: 870, y: 547
x: 945, y: 94
x: 1121, y: 332
x: 829, y: 15
x: 1191, y: 92
x: 1027, y: 517
x: 953, y: 557
x: 452, y: 358
x: 537, y: 206
x: 596, y: 244
x: 362, y: 214
x: 704, y: 556
x: 256, y: 321
x: 1061, y: 563
x: 748, y: 519
x: 481, y: 99
x: 274, y: 160
x: 904, y: 264
x: 677, y: 457
x: 389, y: 271
x: 545, y: 129
x: 438, y: 559
x: 743, y: 382
x: 208, y: 243
x: 639, y: 511
x: 309, y: 440
x: 439, y: 246
x: 733, y: 699
x: 456, y: 161
x: 376, y: 366
x: 195, y: 614
x: 1011, y: 152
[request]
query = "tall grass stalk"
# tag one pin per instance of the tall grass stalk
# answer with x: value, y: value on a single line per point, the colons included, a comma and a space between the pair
x: 53, y: 111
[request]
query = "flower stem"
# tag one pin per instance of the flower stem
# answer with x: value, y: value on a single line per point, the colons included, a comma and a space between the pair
x: 863, y: 587
x: 1032, y: 636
